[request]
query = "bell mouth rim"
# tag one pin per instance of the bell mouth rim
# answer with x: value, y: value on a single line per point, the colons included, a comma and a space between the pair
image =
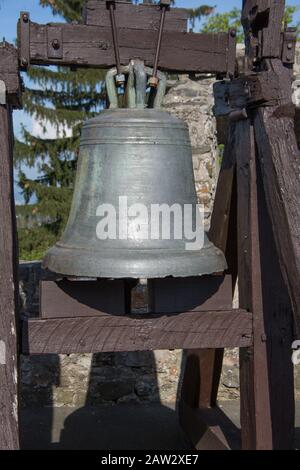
x: 207, y: 246
x: 110, y: 265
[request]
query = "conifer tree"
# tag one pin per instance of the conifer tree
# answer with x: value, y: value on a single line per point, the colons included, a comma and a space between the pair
x: 62, y: 99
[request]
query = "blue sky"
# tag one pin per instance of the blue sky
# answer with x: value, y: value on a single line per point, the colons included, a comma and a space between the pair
x: 10, y: 10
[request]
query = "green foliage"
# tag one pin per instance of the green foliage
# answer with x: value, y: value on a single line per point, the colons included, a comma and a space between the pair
x: 34, y: 242
x: 62, y: 99
x: 71, y: 10
x: 222, y: 22
x: 197, y: 13
x: 289, y: 15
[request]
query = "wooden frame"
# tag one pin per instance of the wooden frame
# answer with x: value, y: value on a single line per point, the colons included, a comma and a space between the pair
x: 256, y: 222
x: 90, y: 45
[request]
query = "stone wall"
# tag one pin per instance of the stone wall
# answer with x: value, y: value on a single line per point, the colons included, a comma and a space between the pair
x: 76, y: 380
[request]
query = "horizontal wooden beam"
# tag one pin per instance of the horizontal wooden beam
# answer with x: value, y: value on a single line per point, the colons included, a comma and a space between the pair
x: 143, y: 16
x: 189, y: 330
x: 92, y: 46
x: 176, y: 295
x: 66, y: 298
x: 75, y: 298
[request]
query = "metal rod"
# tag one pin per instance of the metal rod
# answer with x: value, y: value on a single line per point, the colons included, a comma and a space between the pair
x: 120, y: 77
x: 161, y: 28
x: 154, y: 80
x: 158, y: 48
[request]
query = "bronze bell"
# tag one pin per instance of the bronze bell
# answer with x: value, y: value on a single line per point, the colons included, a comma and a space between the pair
x: 143, y: 155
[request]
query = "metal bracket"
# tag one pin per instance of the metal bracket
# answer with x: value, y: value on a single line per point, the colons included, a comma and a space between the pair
x: 2, y: 92
x: 251, y: 91
x: 289, y: 41
x: 24, y: 43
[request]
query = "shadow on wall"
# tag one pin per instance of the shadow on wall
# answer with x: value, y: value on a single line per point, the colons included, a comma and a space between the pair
x: 72, y: 402
x: 117, y: 414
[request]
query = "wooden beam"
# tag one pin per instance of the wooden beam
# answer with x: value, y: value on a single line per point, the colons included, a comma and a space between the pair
x: 266, y: 407
x: 279, y: 161
x: 138, y: 333
x: 92, y: 46
x: 142, y: 17
x: 262, y: 21
x: 63, y: 299
x: 190, y: 294
x: 9, y: 373
x: 254, y: 381
x: 278, y: 321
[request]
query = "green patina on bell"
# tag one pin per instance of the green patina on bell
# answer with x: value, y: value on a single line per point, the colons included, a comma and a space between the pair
x: 143, y: 155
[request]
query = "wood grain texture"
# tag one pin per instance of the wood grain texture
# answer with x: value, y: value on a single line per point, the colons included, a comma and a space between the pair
x: 9, y: 402
x: 65, y: 298
x: 9, y: 73
x: 190, y: 294
x: 263, y: 19
x: 280, y: 166
x: 92, y: 46
x: 267, y: 409
x: 142, y: 17
x: 278, y: 321
x: 142, y: 333
x: 255, y: 399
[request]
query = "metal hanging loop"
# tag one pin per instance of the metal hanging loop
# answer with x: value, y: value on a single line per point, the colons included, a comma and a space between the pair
x: 136, y: 86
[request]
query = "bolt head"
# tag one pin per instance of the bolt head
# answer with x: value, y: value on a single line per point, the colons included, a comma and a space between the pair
x: 24, y: 62
x: 55, y: 44
x: 25, y: 18
x: 233, y: 33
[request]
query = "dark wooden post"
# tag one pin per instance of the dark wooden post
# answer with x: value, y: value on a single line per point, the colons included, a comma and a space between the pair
x: 267, y: 235
x: 280, y: 166
x: 274, y: 127
x: 267, y: 395
x: 255, y: 401
x: 9, y: 402
x: 10, y: 91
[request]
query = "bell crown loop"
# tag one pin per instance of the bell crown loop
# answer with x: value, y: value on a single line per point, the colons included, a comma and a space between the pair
x: 136, y: 86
